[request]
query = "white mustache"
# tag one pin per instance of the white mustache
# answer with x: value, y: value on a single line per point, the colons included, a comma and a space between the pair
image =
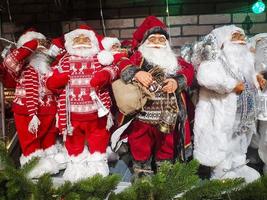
x: 155, y: 46
x: 82, y: 46
x: 239, y: 42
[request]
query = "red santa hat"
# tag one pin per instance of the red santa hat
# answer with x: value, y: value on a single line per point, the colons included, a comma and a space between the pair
x: 104, y: 57
x: 151, y: 25
x: 224, y: 34
x: 108, y: 42
x: 29, y: 35
x: 256, y: 38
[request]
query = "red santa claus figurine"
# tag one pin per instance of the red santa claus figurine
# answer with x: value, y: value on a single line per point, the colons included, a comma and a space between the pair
x: 81, y: 78
x: 147, y: 136
x: 34, y: 105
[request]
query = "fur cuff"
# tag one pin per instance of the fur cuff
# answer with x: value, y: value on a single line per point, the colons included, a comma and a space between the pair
x: 97, y: 156
x: 105, y: 57
x: 81, y: 157
x: 128, y: 73
x: 52, y: 150
x: 24, y: 159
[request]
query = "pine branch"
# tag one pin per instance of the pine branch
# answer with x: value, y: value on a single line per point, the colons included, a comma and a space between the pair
x: 5, y: 160
x: 25, y: 169
x: 211, y: 190
x: 44, y: 188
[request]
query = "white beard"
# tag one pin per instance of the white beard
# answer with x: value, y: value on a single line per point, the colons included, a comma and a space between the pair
x: 241, y: 59
x: 81, y: 51
x: 164, y: 57
x: 40, y: 62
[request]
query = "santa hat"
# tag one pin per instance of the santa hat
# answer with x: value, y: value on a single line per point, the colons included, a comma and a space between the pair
x: 29, y: 35
x: 256, y: 38
x: 224, y: 34
x: 108, y: 42
x: 151, y: 25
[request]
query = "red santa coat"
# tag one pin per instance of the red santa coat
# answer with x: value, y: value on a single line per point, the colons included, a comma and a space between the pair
x: 186, y: 75
x: 79, y: 72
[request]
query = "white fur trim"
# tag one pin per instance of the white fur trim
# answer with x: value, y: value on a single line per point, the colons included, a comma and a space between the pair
x: 54, y: 50
x: 108, y: 42
x: 105, y: 57
x: 77, y: 168
x: 97, y: 164
x: 52, y: 150
x: 33, y: 125
x: 24, y: 159
x: 28, y: 36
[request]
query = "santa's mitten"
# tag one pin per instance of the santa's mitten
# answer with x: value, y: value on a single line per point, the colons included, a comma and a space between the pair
x: 100, y: 79
x: 119, y: 56
x: 57, y: 80
x: 34, y: 124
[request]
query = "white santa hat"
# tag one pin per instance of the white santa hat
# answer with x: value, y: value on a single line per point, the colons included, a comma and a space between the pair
x: 224, y: 34
x: 256, y: 38
x: 104, y: 57
x: 108, y: 42
x: 29, y: 35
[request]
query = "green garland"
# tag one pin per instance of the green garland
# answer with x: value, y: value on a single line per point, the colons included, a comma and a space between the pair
x: 171, y: 180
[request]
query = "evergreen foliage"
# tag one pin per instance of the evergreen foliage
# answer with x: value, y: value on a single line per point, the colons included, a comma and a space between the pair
x: 178, y: 181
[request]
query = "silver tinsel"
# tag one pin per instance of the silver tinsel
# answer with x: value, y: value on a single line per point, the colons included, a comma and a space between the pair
x: 187, y: 52
x: 205, y: 49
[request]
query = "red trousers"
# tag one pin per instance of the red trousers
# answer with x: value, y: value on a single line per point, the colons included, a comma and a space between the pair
x: 145, y: 141
x: 46, y: 135
x: 93, y: 132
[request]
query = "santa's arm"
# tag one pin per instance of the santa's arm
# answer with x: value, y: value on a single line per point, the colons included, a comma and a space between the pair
x: 130, y: 67
x: 185, y: 75
x: 57, y: 81
x: 212, y: 76
x: 14, y: 61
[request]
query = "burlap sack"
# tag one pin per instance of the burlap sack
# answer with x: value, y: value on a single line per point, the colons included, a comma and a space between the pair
x: 131, y: 97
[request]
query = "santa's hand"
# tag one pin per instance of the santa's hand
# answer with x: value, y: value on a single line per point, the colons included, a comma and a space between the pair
x: 144, y: 78
x: 100, y: 79
x: 239, y: 88
x: 170, y: 85
x: 262, y: 82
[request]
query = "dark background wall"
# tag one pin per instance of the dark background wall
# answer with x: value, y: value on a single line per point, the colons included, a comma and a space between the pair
x: 47, y: 15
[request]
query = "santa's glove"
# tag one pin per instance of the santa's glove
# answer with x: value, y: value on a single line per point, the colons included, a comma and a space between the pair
x: 100, y: 79
x: 57, y: 80
x: 34, y: 124
x: 26, y: 50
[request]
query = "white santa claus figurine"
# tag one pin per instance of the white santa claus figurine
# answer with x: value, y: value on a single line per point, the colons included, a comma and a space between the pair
x: 259, y: 141
x: 225, y: 116
x: 34, y: 105
x: 81, y: 79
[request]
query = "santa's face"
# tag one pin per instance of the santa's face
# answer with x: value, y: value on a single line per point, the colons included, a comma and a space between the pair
x: 116, y: 48
x: 156, y: 41
x: 238, y: 38
x: 81, y: 45
x: 157, y: 51
x: 81, y: 41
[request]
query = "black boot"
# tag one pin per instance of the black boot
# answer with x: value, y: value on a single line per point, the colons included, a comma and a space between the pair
x: 142, y: 168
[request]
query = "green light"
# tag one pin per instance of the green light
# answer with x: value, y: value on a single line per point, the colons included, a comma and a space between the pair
x: 258, y: 7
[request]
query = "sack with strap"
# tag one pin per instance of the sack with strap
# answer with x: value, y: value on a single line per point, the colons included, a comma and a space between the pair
x: 130, y: 97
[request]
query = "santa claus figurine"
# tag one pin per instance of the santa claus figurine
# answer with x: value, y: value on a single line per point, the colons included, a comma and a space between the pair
x: 82, y: 78
x: 225, y: 116
x: 34, y: 105
x: 259, y: 141
x: 153, y: 133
